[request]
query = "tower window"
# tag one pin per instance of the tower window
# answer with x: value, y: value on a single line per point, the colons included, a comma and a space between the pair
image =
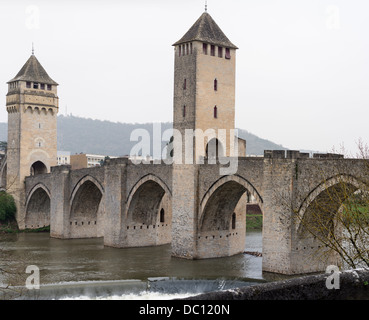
x: 191, y: 49
x: 185, y: 84
x: 187, y: 49
x: 49, y: 87
x: 35, y: 85
x: 215, y: 112
x: 180, y: 50
x: 28, y: 84
x: 215, y: 85
x: 212, y: 50
x: 184, y: 111
x: 42, y: 85
x: 205, y: 48
x: 162, y: 215
x: 220, y: 52
x: 228, y: 53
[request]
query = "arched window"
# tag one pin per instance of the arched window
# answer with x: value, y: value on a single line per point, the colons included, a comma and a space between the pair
x: 233, y: 220
x: 38, y: 168
x: 214, y: 149
x: 215, y: 85
x: 215, y: 112
x: 162, y: 215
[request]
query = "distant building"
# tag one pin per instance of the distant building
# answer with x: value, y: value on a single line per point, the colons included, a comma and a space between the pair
x: 83, y: 160
x: 63, y: 157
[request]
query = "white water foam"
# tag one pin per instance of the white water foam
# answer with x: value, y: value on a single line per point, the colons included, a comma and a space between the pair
x: 141, y: 296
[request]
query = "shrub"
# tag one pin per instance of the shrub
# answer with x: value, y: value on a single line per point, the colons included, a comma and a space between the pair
x: 7, y: 206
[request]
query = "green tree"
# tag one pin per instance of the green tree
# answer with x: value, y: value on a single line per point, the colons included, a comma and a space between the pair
x: 7, y: 206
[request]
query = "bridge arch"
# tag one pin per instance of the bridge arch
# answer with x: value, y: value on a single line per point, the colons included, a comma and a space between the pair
x: 86, y: 211
x: 38, y: 207
x: 225, y: 194
x: 222, y: 217
x: 38, y: 167
x: 144, y: 200
x: 331, y: 194
x: 214, y: 149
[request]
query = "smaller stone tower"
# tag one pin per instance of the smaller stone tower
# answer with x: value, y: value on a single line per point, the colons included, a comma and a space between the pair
x: 32, y: 106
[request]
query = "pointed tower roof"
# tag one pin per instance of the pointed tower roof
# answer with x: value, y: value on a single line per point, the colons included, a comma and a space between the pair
x: 33, y: 71
x: 206, y: 30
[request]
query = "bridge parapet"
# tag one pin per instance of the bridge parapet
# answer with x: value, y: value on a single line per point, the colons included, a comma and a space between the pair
x: 295, y: 154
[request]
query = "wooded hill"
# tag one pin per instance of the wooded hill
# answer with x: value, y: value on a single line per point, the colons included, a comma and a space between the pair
x: 81, y: 135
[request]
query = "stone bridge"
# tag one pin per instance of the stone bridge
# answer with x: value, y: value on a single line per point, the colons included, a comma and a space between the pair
x: 201, y: 213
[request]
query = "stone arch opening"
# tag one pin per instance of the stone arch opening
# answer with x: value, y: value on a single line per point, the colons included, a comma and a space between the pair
x: 148, y: 217
x: 37, y: 168
x: 222, y: 221
x: 321, y: 228
x: 86, y: 213
x: 325, y: 201
x: 220, y: 206
x: 214, y: 149
x: 145, y: 204
x: 38, y: 208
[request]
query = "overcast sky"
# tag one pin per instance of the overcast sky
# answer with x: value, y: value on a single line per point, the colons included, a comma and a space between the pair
x: 302, y: 65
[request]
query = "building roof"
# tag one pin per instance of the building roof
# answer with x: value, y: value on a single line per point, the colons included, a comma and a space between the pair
x: 206, y: 30
x: 33, y: 71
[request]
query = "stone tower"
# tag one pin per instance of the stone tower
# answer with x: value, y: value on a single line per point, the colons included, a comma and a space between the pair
x: 204, y: 98
x: 204, y: 83
x: 32, y: 106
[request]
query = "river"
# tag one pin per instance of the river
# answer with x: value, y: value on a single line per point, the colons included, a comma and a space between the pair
x: 86, y: 269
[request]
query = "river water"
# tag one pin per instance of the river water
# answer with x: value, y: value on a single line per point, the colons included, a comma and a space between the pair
x: 86, y: 269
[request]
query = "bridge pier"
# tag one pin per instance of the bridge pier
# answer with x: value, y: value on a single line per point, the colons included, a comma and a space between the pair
x: 115, y: 193
x: 59, y: 202
x: 184, y: 210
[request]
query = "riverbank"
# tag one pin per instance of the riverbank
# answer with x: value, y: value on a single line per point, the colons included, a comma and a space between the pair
x: 11, y: 226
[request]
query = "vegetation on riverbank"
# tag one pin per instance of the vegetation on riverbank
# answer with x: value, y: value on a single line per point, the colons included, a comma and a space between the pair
x: 8, y: 223
x: 11, y: 226
x: 254, y: 222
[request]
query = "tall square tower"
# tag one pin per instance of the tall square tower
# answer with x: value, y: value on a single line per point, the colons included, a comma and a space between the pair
x: 32, y: 106
x: 204, y: 83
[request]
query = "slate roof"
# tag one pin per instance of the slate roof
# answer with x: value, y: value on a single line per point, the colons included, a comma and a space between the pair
x: 33, y: 71
x: 206, y: 30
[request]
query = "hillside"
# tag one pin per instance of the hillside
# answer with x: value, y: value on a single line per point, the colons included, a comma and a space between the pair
x: 78, y: 135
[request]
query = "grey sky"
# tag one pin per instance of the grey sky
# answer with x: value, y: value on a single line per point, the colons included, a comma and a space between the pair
x: 302, y: 65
